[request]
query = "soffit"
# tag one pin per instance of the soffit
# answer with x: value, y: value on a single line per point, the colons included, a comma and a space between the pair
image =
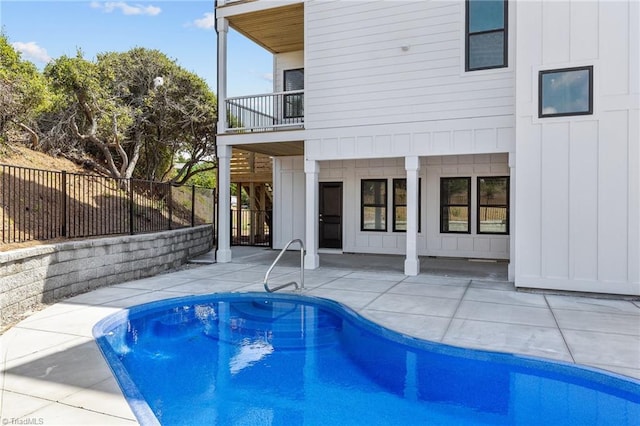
x: 275, y: 149
x: 278, y: 29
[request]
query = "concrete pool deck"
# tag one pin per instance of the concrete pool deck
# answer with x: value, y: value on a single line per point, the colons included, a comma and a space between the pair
x: 53, y: 373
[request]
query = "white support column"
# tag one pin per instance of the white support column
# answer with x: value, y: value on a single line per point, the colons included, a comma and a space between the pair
x: 411, y: 262
x: 223, y: 255
x: 312, y: 212
x: 511, y: 269
x: 222, y: 28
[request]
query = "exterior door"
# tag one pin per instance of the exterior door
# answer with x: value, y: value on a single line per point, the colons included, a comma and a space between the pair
x: 330, y: 232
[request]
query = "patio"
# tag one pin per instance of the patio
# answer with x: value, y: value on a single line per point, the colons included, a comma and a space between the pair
x: 52, y: 370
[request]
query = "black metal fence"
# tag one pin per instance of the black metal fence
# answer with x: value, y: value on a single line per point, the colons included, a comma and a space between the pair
x: 43, y: 205
x: 251, y: 227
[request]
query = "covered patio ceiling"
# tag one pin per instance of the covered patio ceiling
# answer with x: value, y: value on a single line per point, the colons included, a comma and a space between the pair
x: 278, y: 30
x: 274, y: 149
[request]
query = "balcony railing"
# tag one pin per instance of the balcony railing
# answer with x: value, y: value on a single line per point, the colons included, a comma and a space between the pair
x: 265, y: 113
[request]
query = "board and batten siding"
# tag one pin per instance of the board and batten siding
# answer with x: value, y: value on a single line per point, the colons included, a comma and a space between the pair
x: 395, y: 62
x: 473, y: 245
x: 289, y: 182
x: 578, y: 180
x: 288, y: 200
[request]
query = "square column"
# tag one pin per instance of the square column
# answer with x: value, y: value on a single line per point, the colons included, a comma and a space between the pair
x: 223, y: 255
x: 511, y: 269
x: 312, y: 212
x: 411, y: 262
x: 222, y: 28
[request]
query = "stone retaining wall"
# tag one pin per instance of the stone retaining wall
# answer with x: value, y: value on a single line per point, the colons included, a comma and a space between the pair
x: 48, y: 273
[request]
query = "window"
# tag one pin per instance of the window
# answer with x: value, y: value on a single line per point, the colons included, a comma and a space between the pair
x: 486, y: 34
x: 455, y: 205
x: 493, y: 205
x: 374, y: 205
x: 294, y: 104
x: 400, y: 204
x: 566, y: 91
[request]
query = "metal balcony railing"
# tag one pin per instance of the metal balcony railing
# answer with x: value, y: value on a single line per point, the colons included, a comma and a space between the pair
x: 265, y: 113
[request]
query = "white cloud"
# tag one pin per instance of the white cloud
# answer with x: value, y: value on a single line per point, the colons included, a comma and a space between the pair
x: 126, y: 9
x: 207, y: 22
x: 31, y: 51
x: 268, y: 76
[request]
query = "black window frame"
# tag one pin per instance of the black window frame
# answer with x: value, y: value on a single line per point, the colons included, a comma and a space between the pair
x: 479, y: 206
x: 289, y: 109
x: 384, y: 205
x: 447, y: 205
x: 505, y: 44
x: 394, y: 204
x: 541, y: 73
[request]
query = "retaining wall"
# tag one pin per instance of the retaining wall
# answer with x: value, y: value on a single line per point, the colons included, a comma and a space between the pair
x: 48, y: 273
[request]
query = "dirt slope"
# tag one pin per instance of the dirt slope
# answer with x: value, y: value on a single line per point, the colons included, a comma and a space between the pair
x: 20, y: 155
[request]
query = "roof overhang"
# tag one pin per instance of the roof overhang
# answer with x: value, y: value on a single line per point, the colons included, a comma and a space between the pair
x: 277, y: 29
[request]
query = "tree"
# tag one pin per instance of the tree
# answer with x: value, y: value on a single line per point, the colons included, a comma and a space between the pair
x: 138, y: 107
x: 24, y: 93
x: 195, y: 116
x: 97, y: 115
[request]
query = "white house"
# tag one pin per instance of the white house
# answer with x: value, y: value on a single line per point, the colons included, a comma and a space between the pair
x: 475, y: 129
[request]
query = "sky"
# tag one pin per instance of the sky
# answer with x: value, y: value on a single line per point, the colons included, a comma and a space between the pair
x: 181, y: 29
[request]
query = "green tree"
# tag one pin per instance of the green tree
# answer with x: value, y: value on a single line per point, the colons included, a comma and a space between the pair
x: 97, y: 115
x: 138, y: 108
x: 24, y: 93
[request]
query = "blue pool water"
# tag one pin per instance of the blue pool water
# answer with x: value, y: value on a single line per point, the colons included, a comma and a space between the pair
x: 265, y: 359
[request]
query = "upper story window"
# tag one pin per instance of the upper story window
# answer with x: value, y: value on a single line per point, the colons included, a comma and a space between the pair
x: 374, y: 205
x: 567, y: 91
x: 294, y: 104
x: 486, y: 34
x: 455, y: 205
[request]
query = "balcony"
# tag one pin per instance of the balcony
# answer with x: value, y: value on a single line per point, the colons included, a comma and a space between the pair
x: 265, y: 113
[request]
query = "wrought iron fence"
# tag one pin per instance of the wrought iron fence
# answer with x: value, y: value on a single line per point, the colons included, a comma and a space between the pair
x: 43, y: 205
x: 250, y: 227
x: 268, y: 112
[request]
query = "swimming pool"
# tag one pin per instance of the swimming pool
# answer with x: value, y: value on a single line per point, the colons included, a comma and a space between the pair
x: 281, y: 359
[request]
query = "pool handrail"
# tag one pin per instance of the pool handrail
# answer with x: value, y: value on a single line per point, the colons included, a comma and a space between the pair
x: 298, y: 287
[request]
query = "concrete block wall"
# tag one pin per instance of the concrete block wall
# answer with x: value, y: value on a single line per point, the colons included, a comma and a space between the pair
x: 48, y: 273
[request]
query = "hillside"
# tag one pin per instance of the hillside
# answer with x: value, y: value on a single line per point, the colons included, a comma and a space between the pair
x: 94, y: 206
x: 20, y: 155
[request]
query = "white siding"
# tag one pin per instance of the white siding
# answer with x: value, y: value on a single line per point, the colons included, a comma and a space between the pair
x: 283, y: 62
x: 472, y: 245
x: 290, y: 178
x: 449, y: 137
x: 577, y: 183
x: 395, y: 62
x: 385, y: 80
x: 288, y: 200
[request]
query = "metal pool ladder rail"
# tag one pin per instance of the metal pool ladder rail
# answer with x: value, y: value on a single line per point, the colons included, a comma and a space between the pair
x: 298, y: 287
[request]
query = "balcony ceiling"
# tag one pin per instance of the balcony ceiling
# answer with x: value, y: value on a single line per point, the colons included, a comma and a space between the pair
x: 278, y: 29
x: 275, y: 149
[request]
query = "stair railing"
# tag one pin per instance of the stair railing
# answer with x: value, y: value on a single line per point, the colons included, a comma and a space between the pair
x: 298, y: 286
